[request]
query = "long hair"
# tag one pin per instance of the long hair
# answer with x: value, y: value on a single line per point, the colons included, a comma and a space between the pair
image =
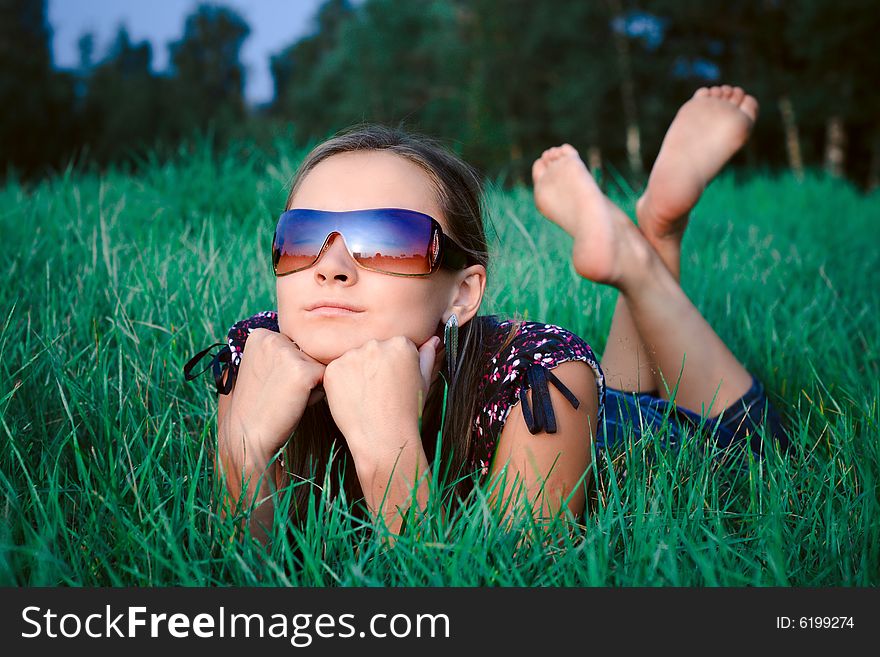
x: 460, y: 196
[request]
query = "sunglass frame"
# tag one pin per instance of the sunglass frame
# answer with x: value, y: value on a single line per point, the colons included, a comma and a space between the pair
x: 450, y: 254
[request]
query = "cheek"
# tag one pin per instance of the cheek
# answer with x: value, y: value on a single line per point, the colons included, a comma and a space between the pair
x: 410, y: 310
x: 394, y: 307
x: 286, y: 295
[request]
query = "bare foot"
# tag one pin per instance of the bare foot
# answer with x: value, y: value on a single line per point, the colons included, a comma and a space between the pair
x: 604, y: 237
x: 706, y: 132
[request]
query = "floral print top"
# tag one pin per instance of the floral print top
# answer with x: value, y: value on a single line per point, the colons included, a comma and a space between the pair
x: 518, y: 362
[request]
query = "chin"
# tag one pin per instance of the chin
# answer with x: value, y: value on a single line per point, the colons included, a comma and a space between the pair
x: 323, y: 355
x: 328, y: 349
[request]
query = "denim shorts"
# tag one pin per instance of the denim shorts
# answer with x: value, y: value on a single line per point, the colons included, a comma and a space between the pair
x: 631, y: 413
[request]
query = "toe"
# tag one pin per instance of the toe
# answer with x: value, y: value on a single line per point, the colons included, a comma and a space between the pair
x: 736, y: 97
x: 538, y: 169
x: 726, y: 91
x: 715, y: 92
x: 750, y: 107
x: 702, y: 92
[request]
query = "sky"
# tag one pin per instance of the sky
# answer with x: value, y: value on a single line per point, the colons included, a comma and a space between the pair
x: 274, y: 25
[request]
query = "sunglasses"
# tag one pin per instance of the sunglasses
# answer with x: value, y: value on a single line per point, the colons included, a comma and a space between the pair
x: 387, y: 240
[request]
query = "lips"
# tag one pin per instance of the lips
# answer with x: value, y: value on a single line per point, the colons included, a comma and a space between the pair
x: 329, y: 303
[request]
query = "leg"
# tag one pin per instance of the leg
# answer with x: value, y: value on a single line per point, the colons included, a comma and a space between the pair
x: 609, y: 249
x: 627, y: 362
x: 711, y: 378
x: 705, y: 133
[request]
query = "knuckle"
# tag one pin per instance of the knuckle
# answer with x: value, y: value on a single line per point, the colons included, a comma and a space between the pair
x: 291, y: 357
x: 258, y: 339
x: 258, y: 334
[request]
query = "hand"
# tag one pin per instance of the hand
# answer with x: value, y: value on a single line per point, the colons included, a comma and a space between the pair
x: 275, y: 383
x: 377, y: 392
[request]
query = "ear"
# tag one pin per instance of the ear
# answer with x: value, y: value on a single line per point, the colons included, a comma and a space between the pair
x: 467, y: 293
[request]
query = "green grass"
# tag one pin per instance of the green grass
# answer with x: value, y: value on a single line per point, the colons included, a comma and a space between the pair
x: 114, y: 281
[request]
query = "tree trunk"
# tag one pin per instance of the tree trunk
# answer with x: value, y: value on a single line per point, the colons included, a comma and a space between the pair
x: 792, y: 138
x: 835, y: 145
x: 628, y: 93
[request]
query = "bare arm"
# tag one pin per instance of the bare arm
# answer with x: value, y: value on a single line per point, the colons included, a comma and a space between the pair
x: 235, y: 463
x: 555, y: 461
x: 545, y: 469
x: 388, y: 484
x: 274, y: 383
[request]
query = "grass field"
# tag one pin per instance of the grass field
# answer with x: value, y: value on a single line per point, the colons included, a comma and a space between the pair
x: 114, y: 281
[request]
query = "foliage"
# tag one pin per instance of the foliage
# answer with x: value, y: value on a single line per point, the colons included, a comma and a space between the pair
x: 501, y: 81
x: 35, y: 101
x: 208, y: 80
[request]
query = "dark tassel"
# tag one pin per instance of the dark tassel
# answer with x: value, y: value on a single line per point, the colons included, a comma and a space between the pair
x: 222, y: 356
x: 543, y: 418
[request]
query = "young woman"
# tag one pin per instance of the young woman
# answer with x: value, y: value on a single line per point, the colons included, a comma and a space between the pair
x: 381, y: 265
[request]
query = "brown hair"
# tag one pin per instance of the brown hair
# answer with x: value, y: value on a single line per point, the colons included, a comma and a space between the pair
x: 460, y: 197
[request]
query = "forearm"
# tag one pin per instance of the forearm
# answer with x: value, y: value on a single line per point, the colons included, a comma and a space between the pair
x: 248, y: 475
x: 388, y: 481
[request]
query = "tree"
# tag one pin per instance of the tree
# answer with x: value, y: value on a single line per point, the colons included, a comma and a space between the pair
x: 208, y: 78
x: 361, y: 69
x: 541, y: 74
x: 295, y: 71
x: 293, y: 63
x: 36, y: 121
x: 390, y: 79
x: 122, y: 106
x: 837, y: 40
x: 627, y: 90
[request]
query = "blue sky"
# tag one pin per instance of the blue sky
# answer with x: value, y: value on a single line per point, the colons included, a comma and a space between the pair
x: 274, y: 25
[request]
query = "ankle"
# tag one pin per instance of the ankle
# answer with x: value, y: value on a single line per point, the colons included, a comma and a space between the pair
x: 641, y: 261
x: 669, y: 252
x: 667, y: 246
x: 654, y: 219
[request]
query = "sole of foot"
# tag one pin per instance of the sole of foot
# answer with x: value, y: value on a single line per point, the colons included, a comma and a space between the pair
x: 604, y: 237
x: 705, y: 133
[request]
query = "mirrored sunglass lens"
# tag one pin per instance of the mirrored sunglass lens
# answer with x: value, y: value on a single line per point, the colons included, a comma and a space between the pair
x: 390, y: 241
x: 393, y: 241
x: 298, y: 238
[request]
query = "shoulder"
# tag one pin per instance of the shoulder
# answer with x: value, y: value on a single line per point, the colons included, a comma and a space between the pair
x: 554, y: 463
x: 527, y: 354
x: 530, y: 346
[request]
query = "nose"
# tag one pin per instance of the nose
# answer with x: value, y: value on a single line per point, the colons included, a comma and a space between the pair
x: 335, y: 262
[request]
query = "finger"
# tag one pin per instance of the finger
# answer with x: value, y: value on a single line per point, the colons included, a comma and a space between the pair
x: 427, y: 355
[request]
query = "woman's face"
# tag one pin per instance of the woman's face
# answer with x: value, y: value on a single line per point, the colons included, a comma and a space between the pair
x: 415, y: 307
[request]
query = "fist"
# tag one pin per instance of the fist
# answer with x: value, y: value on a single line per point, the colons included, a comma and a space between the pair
x: 275, y: 383
x: 376, y: 392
